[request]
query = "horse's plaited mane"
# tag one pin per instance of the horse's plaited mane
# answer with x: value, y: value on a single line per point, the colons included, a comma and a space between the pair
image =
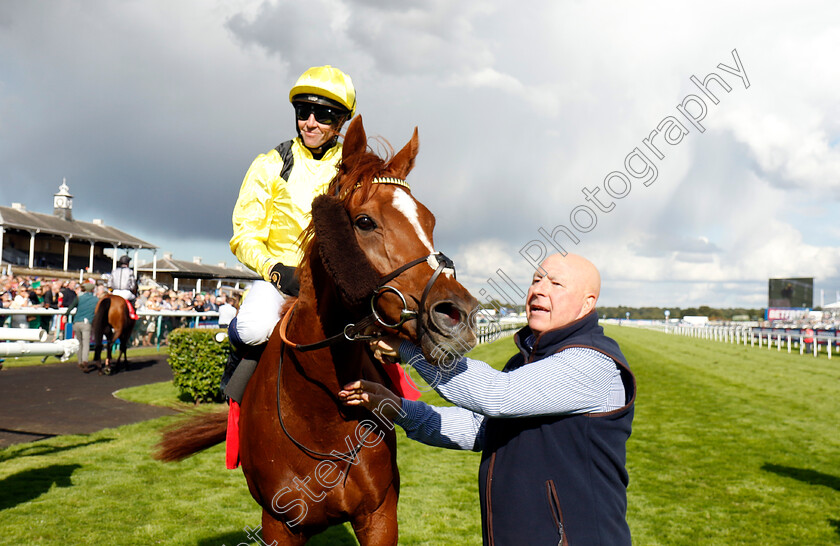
x: 355, y: 182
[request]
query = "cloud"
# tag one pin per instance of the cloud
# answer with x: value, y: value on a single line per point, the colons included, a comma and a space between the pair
x: 154, y: 110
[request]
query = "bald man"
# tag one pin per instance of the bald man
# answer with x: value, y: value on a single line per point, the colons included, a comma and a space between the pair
x: 552, y: 425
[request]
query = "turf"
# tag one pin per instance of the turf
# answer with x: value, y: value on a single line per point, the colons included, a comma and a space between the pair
x: 731, y: 445
x: 21, y: 361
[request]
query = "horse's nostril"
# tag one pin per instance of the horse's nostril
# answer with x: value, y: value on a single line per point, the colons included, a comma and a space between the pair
x: 449, y: 314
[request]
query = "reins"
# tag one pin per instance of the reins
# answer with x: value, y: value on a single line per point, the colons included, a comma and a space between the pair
x: 355, y: 331
x: 348, y: 456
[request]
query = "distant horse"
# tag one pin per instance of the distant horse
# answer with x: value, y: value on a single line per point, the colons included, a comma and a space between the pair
x: 113, y: 321
x: 309, y: 461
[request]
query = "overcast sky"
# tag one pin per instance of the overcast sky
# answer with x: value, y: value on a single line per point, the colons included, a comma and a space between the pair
x: 535, y: 118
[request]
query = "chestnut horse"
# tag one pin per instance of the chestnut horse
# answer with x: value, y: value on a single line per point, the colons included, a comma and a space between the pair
x: 369, y: 264
x: 113, y: 321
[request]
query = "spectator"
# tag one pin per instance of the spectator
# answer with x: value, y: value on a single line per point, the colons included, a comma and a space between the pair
x: 85, y: 306
x: 552, y: 426
x: 68, y: 291
x: 21, y: 301
x: 141, y: 300
x: 149, y: 324
x: 5, y: 303
x: 226, y: 310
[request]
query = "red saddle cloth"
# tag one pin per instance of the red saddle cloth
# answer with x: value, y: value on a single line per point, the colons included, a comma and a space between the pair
x: 131, y: 312
x: 404, y: 386
x: 232, y: 436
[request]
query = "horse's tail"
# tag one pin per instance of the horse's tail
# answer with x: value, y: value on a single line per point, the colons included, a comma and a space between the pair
x: 188, y: 437
x: 100, y: 320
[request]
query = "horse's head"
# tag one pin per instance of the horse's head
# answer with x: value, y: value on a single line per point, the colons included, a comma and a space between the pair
x: 375, y: 242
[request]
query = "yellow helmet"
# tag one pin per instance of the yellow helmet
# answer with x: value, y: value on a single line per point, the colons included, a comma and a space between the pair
x: 326, y: 82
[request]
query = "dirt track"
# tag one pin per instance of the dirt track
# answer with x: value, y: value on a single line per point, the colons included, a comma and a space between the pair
x: 37, y: 402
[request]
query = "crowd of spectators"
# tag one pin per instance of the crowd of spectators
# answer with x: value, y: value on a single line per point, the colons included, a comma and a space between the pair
x: 21, y: 292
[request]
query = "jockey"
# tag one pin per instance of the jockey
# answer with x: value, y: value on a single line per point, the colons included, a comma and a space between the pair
x: 274, y: 203
x: 122, y: 283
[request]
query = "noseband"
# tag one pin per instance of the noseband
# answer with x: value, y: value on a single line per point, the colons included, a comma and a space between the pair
x: 355, y: 331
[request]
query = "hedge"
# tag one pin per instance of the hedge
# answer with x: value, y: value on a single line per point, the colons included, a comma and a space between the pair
x: 197, y: 362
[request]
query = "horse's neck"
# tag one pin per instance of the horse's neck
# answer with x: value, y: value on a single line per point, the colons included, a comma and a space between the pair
x: 332, y: 366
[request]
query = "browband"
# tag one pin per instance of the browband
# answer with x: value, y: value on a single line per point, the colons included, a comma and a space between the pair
x: 381, y: 180
x: 390, y: 180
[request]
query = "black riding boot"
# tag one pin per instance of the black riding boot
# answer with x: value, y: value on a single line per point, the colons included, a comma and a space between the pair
x: 241, y: 363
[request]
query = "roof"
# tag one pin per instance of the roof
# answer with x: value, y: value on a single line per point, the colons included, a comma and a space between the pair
x: 15, y: 218
x: 191, y: 270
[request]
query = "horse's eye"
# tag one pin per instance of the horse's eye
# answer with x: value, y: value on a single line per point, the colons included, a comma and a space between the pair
x: 365, y: 223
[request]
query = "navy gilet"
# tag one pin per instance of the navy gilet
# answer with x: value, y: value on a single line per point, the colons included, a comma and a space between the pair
x: 558, y: 479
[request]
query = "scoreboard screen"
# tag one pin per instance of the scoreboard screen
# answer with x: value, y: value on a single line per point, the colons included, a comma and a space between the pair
x: 792, y: 292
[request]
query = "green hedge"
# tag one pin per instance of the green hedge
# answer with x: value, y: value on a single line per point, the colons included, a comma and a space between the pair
x: 198, y: 362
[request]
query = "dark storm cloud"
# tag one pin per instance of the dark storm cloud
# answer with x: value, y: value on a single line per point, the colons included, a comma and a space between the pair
x: 153, y: 111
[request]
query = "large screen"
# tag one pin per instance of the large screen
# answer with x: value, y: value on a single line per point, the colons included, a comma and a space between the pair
x: 792, y: 292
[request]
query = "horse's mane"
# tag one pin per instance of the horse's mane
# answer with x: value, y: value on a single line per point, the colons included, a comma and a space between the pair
x: 353, y: 180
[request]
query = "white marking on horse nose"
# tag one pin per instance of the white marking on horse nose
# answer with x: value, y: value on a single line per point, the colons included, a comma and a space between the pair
x: 434, y: 263
x: 404, y: 203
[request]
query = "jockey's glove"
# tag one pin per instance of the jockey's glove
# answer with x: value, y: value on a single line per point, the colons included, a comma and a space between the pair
x: 284, y: 279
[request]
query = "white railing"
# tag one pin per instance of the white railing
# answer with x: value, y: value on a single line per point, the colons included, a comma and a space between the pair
x: 770, y: 338
x: 195, y: 318
x: 489, y: 332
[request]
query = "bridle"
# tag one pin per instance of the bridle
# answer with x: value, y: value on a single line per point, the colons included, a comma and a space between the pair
x: 356, y: 331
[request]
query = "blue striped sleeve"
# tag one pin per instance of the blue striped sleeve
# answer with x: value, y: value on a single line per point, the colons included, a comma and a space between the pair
x: 575, y: 380
x: 449, y: 427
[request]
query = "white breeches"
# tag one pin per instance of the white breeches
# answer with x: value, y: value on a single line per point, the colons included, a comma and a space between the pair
x: 259, y: 313
x: 126, y: 294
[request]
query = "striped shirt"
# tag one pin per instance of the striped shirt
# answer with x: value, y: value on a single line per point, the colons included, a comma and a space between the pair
x: 575, y: 380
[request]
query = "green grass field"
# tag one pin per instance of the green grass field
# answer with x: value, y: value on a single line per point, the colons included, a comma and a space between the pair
x: 21, y: 361
x: 731, y: 445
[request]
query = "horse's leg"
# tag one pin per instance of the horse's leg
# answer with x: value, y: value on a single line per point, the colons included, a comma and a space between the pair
x: 380, y: 527
x: 97, y: 349
x: 277, y: 532
x: 106, y: 367
x: 125, y: 340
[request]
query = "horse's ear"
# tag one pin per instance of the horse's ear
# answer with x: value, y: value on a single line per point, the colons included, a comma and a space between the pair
x: 355, y: 141
x: 341, y: 255
x: 403, y: 162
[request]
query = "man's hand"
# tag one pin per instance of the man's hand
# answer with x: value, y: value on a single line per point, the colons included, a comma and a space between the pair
x: 370, y: 395
x: 284, y: 279
x: 386, y: 349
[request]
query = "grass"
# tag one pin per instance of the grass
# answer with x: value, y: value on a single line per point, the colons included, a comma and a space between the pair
x: 731, y: 445
x: 21, y: 361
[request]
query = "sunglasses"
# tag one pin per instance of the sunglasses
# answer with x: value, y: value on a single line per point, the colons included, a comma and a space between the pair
x: 323, y: 114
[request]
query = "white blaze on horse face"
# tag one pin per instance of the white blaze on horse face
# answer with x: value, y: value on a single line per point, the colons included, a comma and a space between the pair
x: 404, y: 203
x: 434, y: 263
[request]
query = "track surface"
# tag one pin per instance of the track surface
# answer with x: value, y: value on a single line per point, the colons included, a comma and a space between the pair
x: 38, y: 402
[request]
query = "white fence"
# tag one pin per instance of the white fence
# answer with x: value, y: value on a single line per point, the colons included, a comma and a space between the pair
x: 486, y: 332
x: 194, y: 319
x: 489, y: 332
x: 788, y: 339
